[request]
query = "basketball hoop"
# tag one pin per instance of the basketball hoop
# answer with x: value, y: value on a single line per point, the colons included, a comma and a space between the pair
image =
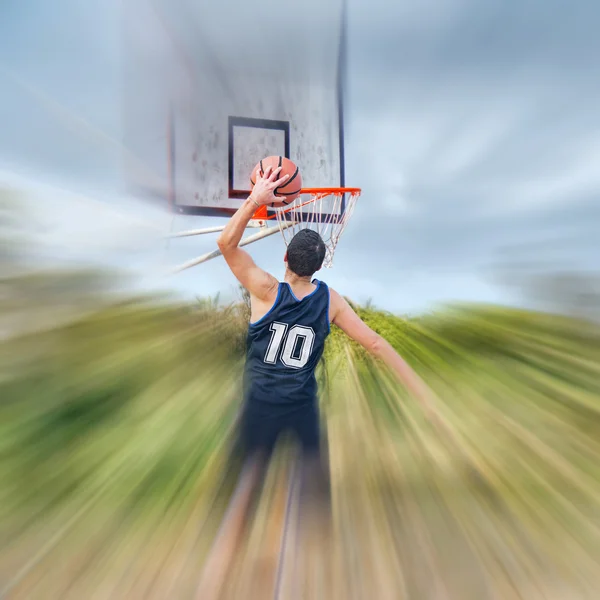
x: 325, y: 210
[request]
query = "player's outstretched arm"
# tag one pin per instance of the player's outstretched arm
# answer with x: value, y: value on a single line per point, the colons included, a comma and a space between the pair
x: 259, y: 283
x: 342, y: 315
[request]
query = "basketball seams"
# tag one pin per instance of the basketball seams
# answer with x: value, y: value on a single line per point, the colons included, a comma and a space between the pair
x: 281, y: 195
x: 290, y: 181
x: 280, y: 162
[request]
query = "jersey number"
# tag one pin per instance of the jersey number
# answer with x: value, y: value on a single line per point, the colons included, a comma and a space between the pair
x: 297, y: 345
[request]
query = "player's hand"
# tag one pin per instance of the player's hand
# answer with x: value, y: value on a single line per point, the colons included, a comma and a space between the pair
x: 265, y: 186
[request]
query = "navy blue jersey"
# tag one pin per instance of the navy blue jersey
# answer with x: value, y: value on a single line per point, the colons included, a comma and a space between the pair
x: 284, y: 348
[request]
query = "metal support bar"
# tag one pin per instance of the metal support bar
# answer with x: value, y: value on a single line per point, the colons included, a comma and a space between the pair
x: 190, y: 232
x: 249, y: 240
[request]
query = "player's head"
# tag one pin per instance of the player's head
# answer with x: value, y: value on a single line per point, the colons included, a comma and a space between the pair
x: 305, y: 253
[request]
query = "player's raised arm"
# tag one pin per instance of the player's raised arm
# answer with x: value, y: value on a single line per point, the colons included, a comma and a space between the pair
x: 342, y: 315
x: 258, y: 282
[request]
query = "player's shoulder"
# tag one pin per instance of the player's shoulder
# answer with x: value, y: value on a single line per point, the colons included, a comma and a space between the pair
x: 335, y: 294
x: 267, y: 291
x: 336, y: 302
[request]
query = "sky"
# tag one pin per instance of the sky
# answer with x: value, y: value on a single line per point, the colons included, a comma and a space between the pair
x: 472, y: 128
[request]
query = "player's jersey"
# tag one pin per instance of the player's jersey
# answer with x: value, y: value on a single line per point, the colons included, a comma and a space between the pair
x: 284, y: 348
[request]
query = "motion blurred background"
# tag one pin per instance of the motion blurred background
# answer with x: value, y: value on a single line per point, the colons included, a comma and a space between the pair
x: 474, y: 133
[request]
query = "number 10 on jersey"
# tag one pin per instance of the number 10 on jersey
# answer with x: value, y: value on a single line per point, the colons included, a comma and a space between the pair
x: 297, y: 345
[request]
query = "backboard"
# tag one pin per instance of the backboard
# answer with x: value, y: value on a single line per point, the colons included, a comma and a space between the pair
x: 235, y: 82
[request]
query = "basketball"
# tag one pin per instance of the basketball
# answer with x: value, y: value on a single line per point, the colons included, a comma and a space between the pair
x: 290, y: 190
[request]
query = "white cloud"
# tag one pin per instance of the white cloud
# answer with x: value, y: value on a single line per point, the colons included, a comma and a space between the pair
x: 66, y: 226
x: 471, y: 127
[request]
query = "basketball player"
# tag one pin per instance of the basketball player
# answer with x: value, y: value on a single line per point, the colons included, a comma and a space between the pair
x: 289, y: 323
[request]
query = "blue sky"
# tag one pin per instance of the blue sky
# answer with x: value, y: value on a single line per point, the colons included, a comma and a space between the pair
x: 473, y: 129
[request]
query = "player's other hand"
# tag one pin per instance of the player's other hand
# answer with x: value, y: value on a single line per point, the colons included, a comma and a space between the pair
x: 263, y: 191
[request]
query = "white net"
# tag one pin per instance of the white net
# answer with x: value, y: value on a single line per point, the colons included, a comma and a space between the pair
x: 326, y: 211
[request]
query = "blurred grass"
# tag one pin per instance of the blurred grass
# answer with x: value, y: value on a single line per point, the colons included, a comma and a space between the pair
x: 114, y: 430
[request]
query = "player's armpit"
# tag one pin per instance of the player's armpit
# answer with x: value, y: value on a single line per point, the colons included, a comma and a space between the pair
x: 259, y: 283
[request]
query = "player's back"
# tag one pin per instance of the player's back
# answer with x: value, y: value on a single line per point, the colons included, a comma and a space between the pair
x: 284, y: 348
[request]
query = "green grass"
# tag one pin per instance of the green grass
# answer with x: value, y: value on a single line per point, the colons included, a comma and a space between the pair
x: 123, y: 418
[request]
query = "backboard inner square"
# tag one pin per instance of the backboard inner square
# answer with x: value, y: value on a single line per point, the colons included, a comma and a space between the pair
x: 251, y: 144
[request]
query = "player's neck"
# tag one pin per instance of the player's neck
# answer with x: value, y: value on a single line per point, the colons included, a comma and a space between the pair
x: 294, y: 279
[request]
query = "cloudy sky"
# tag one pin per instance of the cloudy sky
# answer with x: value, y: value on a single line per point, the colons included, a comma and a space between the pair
x: 472, y: 127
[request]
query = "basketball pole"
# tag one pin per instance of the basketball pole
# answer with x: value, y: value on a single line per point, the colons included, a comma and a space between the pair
x: 249, y: 240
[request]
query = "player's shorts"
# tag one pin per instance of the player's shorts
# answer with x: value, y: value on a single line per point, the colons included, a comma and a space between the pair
x: 260, y: 430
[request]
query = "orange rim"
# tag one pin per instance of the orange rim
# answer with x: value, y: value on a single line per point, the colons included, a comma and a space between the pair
x: 315, y: 193
x: 331, y: 190
x: 261, y: 213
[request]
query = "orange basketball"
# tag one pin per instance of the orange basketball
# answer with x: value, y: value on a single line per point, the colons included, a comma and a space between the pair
x: 290, y: 190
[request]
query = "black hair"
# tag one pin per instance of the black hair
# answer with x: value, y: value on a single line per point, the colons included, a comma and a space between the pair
x: 305, y: 253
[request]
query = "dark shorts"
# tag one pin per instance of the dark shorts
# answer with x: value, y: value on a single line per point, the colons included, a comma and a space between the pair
x: 259, y: 430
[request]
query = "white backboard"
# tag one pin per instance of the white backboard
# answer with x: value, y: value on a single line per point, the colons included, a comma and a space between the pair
x: 236, y: 82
